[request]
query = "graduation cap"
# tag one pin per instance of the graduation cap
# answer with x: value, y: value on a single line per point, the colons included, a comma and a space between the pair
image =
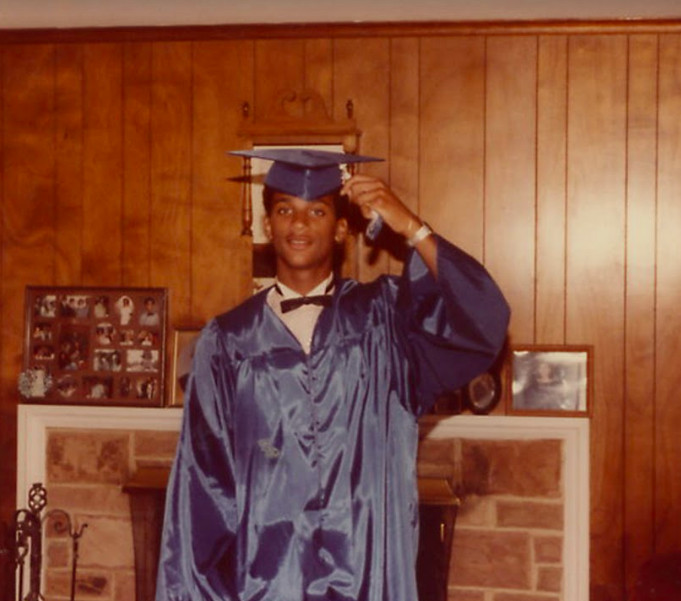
x: 303, y: 172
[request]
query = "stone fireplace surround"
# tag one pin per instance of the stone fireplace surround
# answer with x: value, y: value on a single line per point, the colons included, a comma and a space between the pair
x: 35, y: 422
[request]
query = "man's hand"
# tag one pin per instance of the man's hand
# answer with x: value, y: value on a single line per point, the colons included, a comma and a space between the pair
x: 372, y: 194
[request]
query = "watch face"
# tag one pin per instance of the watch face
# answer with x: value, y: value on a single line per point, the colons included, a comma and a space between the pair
x: 483, y: 393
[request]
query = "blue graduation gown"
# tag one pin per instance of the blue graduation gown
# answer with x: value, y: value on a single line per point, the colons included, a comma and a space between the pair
x: 295, y: 475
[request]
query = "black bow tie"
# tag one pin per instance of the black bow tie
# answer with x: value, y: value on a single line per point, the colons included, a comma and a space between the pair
x: 289, y: 304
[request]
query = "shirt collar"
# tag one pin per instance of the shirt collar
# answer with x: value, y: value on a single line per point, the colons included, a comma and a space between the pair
x: 324, y: 287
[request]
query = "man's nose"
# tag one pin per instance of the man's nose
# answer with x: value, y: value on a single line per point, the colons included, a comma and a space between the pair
x: 300, y: 218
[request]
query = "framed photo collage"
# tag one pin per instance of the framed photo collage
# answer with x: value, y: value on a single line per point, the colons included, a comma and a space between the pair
x: 103, y: 346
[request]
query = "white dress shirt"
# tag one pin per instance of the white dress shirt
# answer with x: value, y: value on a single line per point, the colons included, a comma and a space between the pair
x: 301, y: 321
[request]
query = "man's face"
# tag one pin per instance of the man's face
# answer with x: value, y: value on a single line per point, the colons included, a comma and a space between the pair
x: 304, y: 233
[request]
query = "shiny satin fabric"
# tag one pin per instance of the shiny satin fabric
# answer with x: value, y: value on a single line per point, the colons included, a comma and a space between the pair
x: 295, y: 476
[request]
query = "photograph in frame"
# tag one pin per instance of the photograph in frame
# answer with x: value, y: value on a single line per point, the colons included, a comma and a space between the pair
x: 184, y: 343
x: 550, y: 380
x: 94, y: 346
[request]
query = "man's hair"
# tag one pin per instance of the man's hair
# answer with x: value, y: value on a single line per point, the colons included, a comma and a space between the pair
x: 340, y: 202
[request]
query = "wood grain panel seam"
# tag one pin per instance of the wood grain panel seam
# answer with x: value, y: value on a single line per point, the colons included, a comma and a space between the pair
x: 123, y: 178
x: 55, y: 133
x: 566, y: 186
x: 332, y: 51
x: 150, y: 165
x: 390, y: 129
x: 417, y: 184
x: 484, y: 151
x: 654, y: 434
x: 84, y: 129
x: 625, y: 309
x: 191, y: 188
x: 2, y: 201
x: 84, y: 115
x: 565, y: 176
x: 535, y: 291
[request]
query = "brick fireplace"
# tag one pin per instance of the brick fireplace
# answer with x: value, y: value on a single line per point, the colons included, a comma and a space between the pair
x: 521, y: 531
x: 522, y: 528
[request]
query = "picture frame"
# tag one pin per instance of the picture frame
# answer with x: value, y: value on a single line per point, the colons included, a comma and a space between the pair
x: 550, y: 380
x: 94, y: 345
x: 184, y: 343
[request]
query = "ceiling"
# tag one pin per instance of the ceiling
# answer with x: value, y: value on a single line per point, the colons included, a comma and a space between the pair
x: 18, y: 14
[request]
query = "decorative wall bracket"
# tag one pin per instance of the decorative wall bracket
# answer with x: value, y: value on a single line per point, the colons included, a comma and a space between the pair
x: 300, y: 118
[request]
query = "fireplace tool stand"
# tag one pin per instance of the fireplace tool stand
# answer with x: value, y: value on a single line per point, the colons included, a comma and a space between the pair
x: 23, y: 546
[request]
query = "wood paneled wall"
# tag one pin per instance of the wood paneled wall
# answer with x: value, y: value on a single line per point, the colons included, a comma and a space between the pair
x: 552, y: 153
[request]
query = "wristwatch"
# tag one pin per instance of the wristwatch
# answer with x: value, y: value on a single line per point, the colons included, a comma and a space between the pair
x: 420, y: 234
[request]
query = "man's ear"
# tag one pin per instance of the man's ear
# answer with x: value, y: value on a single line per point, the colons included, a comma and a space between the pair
x: 267, y: 227
x: 341, y: 230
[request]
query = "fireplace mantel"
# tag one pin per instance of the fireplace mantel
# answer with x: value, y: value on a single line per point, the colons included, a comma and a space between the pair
x: 34, y: 422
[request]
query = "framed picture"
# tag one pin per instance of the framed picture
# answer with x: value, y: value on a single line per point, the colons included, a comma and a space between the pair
x: 94, y: 346
x: 184, y: 342
x: 551, y: 380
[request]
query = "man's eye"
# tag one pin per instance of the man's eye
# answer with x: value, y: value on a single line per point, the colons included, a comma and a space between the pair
x: 283, y: 210
x: 318, y: 212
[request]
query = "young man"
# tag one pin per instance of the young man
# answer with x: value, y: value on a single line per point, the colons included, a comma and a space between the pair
x: 295, y: 478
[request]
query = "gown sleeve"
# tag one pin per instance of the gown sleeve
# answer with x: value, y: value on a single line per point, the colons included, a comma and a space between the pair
x: 456, y: 325
x: 200, y: 514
